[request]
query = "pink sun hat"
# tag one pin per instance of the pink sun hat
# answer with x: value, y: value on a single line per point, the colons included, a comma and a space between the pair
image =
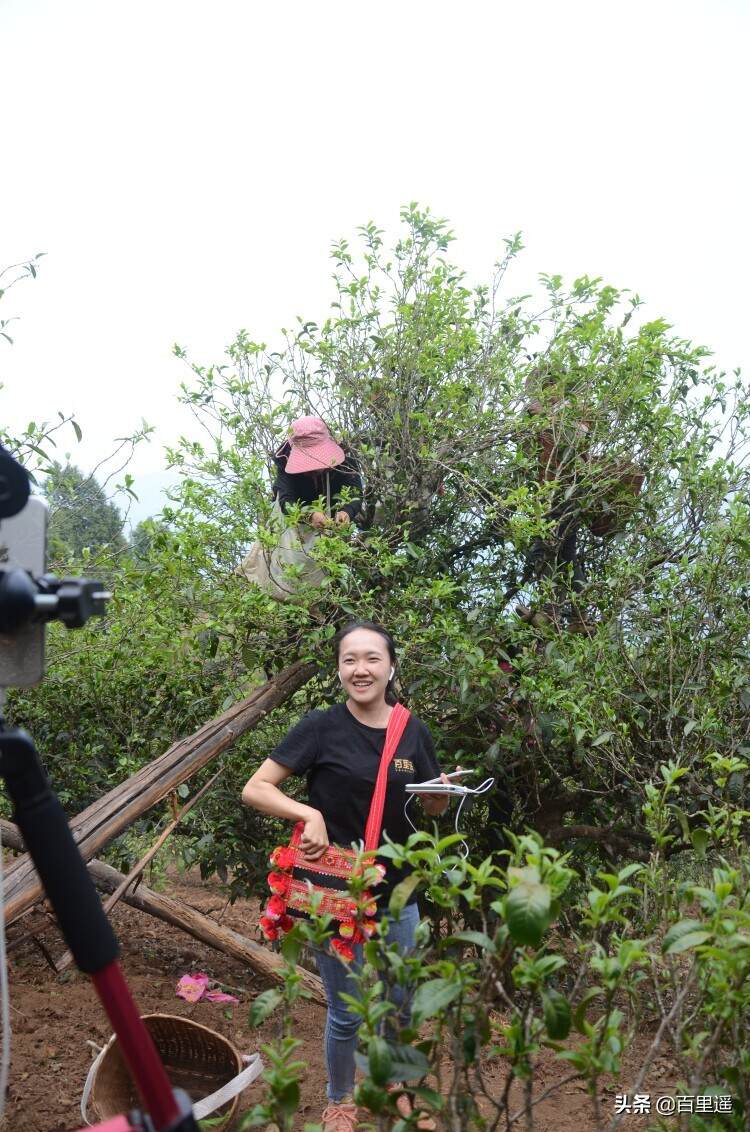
x: 312, y: 446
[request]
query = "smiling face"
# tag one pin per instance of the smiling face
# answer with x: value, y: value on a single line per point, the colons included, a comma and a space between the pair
x: 365, y: 666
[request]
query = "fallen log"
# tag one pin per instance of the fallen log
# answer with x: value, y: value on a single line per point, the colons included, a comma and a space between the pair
x: 106, y: 818
x: 180, y: 915
x: 203, y: 928
x: 135, y: 874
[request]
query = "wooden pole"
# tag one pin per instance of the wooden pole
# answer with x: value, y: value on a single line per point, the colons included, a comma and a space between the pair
x: 66, y: 958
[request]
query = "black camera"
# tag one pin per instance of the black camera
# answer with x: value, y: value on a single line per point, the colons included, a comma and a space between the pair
x: 29, y: 597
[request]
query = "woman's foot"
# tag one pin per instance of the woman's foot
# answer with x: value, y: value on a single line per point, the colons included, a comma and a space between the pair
x: 340, y: 1116
x: 405, y: 1109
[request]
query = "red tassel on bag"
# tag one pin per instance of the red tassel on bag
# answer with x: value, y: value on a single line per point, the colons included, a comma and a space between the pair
x: 278, y: 883
x: 355, y: 924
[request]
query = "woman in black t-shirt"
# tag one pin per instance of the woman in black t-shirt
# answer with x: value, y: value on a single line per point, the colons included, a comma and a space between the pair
x: 339, y: 751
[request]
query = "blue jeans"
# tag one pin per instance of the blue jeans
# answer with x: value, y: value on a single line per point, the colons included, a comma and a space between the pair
x: 340, y: 1036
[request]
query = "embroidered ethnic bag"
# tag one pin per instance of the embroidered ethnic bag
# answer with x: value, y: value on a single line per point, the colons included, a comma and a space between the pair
x: 295, y: 879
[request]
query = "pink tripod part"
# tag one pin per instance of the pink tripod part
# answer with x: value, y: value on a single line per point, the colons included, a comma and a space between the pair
x: 117, y: 1124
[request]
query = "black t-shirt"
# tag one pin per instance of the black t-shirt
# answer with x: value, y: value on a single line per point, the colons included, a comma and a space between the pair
x: 340, y: 757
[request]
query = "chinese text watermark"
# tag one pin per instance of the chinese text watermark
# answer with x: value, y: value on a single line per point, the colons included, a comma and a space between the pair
x: 667, y: 1105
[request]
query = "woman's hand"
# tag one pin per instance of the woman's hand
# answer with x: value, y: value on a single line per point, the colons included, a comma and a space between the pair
x: 314, y: 839
x: 342, y: 518
x: 319, y: 520
x: 435, y: 804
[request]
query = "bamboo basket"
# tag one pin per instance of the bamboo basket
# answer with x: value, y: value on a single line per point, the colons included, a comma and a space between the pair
x: 196, y: 1059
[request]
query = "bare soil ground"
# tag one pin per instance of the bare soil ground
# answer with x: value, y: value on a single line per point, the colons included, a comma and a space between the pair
x: 55, y: 1017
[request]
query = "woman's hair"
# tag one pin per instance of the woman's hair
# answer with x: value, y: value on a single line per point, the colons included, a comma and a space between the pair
x: 372, y: 627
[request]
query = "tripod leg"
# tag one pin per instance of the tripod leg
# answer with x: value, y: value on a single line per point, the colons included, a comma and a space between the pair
x: 87, y: 931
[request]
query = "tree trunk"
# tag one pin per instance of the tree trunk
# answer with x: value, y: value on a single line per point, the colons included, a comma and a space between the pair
x: 106, y: 818
x: 180, y: 915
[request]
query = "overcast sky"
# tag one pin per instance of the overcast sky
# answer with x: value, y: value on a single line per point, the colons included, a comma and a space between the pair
x: 186, y: 165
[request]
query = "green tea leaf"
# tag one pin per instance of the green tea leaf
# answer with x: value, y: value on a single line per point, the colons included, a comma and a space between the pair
x: 557, y: 1015
x: 408, y: 1063
x: 379, y: 1060
x: 684, y: 935
x: 527, y: 912
x: 264, y: 1005
x: 401, y: 893
x: 432, y: 997
x: 479, y: 938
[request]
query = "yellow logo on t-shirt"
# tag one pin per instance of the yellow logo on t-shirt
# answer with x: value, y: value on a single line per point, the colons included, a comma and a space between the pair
x: 403, y: 766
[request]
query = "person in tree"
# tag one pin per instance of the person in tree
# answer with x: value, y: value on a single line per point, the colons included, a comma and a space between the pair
x: 310, y: 465
x: 339, y: 751
x: 312, y: 470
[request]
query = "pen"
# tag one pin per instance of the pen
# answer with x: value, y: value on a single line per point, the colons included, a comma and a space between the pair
x: 454, y: 774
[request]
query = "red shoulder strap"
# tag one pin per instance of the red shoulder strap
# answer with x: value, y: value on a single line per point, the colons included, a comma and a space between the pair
x: 396, y: 725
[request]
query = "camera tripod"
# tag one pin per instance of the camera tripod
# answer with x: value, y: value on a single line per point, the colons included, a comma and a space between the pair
x: 88, y: 933
x: 27, y: 600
